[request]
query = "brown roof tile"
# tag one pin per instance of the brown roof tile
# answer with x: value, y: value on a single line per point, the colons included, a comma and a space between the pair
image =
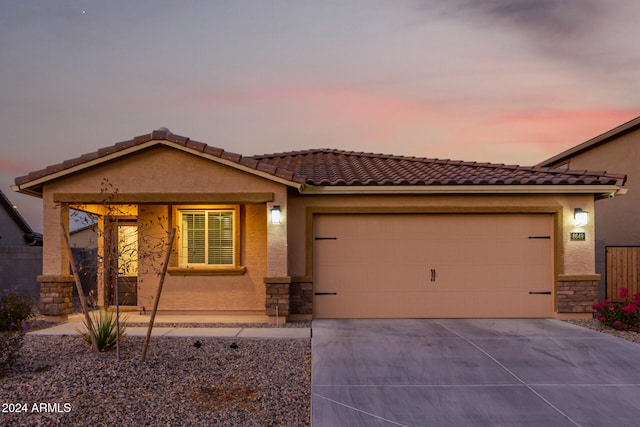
x: 231, y: 156
x: 330, y: 167
x: 199, y: 146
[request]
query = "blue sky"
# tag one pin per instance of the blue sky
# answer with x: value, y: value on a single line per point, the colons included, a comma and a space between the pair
x: 506, y: 81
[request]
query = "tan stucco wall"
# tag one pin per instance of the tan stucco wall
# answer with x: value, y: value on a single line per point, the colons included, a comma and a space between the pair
x: 616, y: 219
x: 166, y: 170
x: 572, y: 257
x: 204, y: 293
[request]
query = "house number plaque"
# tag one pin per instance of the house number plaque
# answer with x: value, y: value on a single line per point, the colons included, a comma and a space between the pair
x: 578, y: 236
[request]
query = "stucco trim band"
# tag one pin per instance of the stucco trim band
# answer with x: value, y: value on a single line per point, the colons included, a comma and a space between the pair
x: 578, y: 277
x: 607, y: 190
x: 165, y: 198
x: 207, y: 271
x: 64, y: 278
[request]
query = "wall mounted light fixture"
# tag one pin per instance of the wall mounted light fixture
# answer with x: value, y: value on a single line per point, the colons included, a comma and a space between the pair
x: 275, y: 214
x: 580, y: 217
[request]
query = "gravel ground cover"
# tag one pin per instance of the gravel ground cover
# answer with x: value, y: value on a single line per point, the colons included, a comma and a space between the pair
x: 597, y: 326
x: 58, y: 381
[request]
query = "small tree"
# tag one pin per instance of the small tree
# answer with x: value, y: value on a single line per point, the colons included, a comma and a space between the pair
x: 127, y: 239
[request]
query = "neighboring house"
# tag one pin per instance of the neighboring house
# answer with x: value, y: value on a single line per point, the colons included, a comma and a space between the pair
x: 617, y: 232
x: 20, y: 251
x: 14, y: 230
x: 85, y: 237
x: 84, y: 245
x: 327, y: 233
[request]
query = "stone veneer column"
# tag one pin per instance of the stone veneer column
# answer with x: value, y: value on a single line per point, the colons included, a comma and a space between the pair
x: 56, y: 296
x: 301, y: 296
x: 576, y: 294
x: 277, y: 298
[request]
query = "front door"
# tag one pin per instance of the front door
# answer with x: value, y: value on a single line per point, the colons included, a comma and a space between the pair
x: 121, y: 249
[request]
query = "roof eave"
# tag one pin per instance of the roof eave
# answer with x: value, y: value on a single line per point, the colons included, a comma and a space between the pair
x: 600, y: 191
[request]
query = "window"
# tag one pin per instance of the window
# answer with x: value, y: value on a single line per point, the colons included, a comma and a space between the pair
x: 207, y: 237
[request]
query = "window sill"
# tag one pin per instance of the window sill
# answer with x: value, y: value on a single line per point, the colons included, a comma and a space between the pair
x: 207, y: 271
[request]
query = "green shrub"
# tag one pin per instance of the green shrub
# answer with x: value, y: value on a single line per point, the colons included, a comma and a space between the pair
x: 104, y: 329
x: 15, y: 310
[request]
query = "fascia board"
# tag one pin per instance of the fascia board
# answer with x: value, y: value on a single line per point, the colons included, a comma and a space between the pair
x: 464, y: 189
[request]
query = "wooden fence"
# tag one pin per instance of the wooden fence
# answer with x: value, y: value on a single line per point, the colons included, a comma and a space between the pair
x: 623, y: 266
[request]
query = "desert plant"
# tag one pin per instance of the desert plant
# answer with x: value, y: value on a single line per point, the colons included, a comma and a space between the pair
x: 105, y: 329
x: 15, y: 310
x: 623, y: 315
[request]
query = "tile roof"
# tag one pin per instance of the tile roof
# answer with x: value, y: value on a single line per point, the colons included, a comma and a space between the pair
x: 331, y: 167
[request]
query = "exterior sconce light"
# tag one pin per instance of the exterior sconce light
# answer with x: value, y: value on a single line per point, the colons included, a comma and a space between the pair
x: 580, y: 217
x: 275, y: 214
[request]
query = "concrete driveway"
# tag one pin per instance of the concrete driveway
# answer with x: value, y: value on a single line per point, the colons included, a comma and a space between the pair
x: 471, y: 372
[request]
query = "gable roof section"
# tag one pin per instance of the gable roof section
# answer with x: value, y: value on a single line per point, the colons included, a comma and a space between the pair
x: 30, y: 236
x: 33, y: 182
x: 608, y: 136
x: 338, y: 171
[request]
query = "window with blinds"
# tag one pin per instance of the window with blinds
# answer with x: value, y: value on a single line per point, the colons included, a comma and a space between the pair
x: 207, y: 237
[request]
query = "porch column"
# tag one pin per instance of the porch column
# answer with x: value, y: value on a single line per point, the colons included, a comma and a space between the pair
x: 277, y: 281
x: 56, y: 284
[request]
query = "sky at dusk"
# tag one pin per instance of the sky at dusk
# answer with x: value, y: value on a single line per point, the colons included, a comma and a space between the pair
x: 505, y: 81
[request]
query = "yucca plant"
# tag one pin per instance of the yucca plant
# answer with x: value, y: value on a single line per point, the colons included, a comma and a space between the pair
x: 104, y: 328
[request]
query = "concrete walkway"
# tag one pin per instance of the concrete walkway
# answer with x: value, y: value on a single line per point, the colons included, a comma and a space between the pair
x: 75, y: 324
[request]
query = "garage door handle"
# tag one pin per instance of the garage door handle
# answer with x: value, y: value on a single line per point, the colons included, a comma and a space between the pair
x: 433, y: 274
x: 326, y: 293
x: 540, y: 293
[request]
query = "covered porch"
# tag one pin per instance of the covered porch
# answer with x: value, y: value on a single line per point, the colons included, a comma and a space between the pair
x: 227, y: 258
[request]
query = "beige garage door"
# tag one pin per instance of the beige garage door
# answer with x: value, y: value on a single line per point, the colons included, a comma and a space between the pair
x: 433, y: 265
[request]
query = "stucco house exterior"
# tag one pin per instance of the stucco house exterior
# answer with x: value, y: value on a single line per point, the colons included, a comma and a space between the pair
x: 617, y: 242
x: 327, y: 233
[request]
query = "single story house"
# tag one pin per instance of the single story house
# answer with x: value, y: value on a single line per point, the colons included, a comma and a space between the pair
x: 326, y: 233
x: 617, y: 242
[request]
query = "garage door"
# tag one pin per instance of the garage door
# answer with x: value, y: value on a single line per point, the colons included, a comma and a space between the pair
x: 433, y: 265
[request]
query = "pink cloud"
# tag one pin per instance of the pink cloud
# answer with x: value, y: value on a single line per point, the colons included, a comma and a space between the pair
x: 563, y: 127
x: 351, y: 104
x: 16, y: 167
